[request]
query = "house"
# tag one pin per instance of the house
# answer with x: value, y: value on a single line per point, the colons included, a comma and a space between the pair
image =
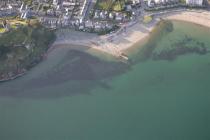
x: 56, y: 2
x: 151, y: 3
x: 194, y: 2
x: 119, y: 16
x: 128, y: 8
x: 81, y: 27
x: 88, y: 24
x: 136, y: 2
x: 111, y: 15
x: 159, y: 1
x: 102, y: 15
x: 97, y: 26
x: 97, y: 14
x: 109, y: 26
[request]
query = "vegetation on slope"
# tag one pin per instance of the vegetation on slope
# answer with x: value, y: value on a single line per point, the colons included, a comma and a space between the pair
x: 22, y: 48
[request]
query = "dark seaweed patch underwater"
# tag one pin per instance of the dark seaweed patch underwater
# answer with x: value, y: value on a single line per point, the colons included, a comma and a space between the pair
x: 80, y: 70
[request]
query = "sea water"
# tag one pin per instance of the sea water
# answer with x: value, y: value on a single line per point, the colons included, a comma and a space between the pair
x: 76, y: 96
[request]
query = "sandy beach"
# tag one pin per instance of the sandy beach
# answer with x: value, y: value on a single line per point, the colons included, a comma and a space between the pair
x: 129, y: 34
x: 197, y: 17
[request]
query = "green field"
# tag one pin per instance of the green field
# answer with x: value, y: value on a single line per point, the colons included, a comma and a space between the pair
x: 147, y: 19
x: 116, y: 5
x: 2, y: 30
x: 15, y: 22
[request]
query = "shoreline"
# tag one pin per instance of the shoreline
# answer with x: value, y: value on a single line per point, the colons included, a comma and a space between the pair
x: 117, y: 43
x: 200, y: 18
x: 197, y: 17
x: 13, y: 77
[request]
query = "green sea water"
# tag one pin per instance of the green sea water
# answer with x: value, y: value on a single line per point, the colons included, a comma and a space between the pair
x: 75, y: 96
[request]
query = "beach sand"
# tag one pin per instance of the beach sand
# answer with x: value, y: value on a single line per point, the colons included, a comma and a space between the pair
x: 197, y: 17
x: 125, y: 38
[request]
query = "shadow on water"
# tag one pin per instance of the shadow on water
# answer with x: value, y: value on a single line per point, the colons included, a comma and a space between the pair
x: 79, y: 71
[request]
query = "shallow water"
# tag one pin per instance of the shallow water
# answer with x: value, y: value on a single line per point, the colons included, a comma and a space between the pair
x: 75, y: 96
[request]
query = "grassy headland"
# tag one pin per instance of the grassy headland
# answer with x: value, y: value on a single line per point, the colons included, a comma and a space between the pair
x: 22, y: 48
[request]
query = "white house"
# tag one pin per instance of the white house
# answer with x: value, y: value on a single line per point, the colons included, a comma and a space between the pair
x: 55, y: 2
x: 152, y: 2
x: 136, y: 1
x: 159, y: 1
x: 194, y: 2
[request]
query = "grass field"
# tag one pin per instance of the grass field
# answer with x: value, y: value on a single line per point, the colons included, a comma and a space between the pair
x: 147, y: 19
x: 183, y: 1
x: 105, y: 4
x: 14, y: 23
x: 18, y: 22
x: 116, y: 5
x: 2, y: 30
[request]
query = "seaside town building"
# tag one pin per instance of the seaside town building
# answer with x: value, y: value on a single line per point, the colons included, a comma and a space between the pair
x: 194, y: 2
x: 152, y: 3
x: 136, y: 2
x: 84, y: 14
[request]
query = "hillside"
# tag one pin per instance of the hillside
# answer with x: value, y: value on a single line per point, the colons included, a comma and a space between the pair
x: 22, y: 48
